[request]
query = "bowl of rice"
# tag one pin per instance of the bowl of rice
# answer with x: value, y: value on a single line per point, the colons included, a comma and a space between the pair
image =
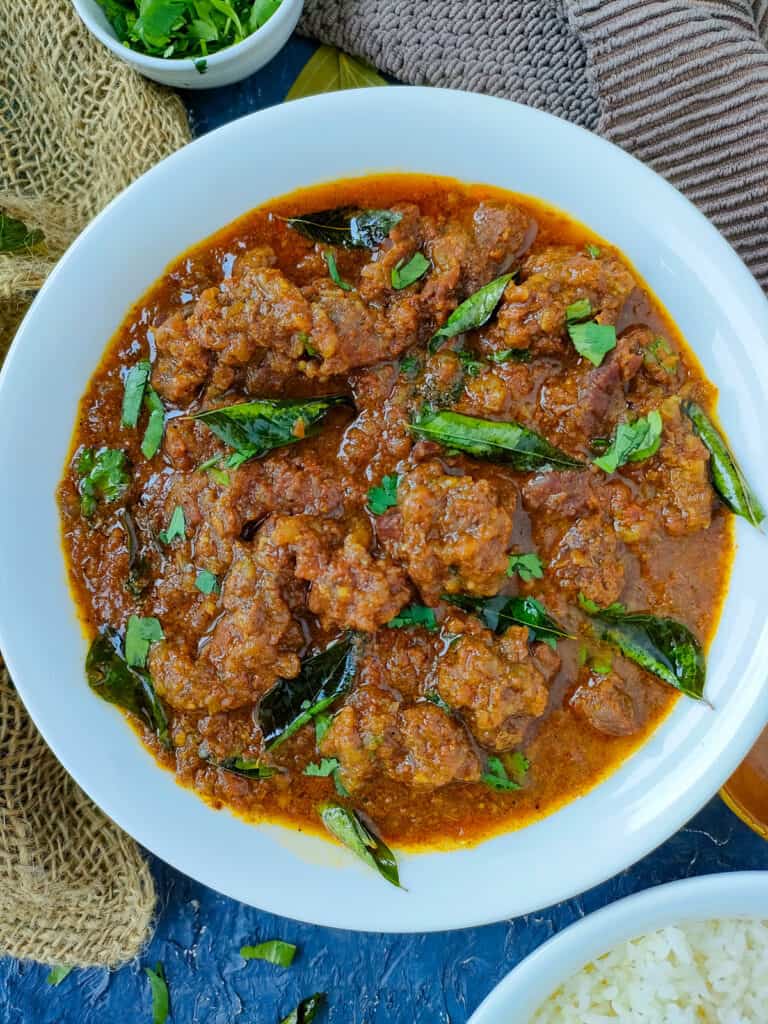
x: 690, y: 952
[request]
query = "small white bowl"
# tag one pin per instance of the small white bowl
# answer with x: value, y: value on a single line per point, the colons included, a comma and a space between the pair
x: 222, y: 68
x: 730, y: 894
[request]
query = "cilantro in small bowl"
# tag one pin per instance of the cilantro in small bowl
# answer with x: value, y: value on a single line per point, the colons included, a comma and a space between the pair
x: 192, y: 43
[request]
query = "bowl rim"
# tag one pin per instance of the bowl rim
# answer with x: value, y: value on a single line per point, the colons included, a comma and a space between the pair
x: 725, y: 894
x: 170, y: 64
x: 735, y: 732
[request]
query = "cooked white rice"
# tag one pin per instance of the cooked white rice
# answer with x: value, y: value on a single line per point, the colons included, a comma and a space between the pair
x: 710, y: 972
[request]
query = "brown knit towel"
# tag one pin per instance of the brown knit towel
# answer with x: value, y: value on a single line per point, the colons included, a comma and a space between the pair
x: 76, y: 126
x: 681, y: 84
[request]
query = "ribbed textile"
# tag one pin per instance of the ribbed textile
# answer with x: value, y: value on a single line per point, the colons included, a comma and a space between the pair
x: 681, y: 84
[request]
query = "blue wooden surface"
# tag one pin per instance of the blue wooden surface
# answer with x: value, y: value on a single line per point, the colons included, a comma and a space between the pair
x: 370, y: 979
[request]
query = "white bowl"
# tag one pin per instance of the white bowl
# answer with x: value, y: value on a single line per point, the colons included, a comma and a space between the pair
x: 193, y: 193
x: 730, y: 894
x: 222, y: 68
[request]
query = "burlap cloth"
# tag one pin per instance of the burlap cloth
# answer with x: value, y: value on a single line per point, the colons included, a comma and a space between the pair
x: 76, y: 126
x: 681, y: 84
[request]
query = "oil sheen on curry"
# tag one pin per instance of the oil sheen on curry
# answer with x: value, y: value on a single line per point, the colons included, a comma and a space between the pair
x: 397, y: 506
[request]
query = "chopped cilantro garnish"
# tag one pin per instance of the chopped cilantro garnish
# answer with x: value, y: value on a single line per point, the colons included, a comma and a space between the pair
x: 633, y: 442
x: 405, y: 274
x: 496, y: 776
x: 592, y: 340
x: 333, y: 270
x: 153, y: 435
x: 139, y: 636
x: 470, y: 365
x: 135, y: 383
x: 505, y: 355
x: 593, y: 251
x: 207, y: 583
x: 104, y: 477
x: 528, y: 567
x: 384, y: 496
x: 414, y: 615
x: 177, y: 527
x: 327, y: 767
x: 579, y: 310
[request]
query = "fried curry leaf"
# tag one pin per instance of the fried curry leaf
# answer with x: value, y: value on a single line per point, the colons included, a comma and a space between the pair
x: 473, y: 312
x: 244, y: 766
x: 633, y: 442
x: 662, y: 646
x: 306, y: 1011
x: 385, y: 495
x: 330, y: 70
x: 333, y: 271
x: 57, y: 974
x: 110, y: 676
x: 274, y: 952
x: 498, y: 441
x: 347, y: 827
x: 496, y: 776
x: 16, y: 237
x: 347, y: 226
x: 414, y: 615
x: 135, y: 383
x: 728, y: 479
x: 159, y: 989
x: 500, y: 612
x: 324, y: 677
x: 405, y: 274
x: 103, y: 477
x: 255, y: 428
x: 592, y: 340
x: 140, y: 634
x: 528, y: 567
x: 153, y: 435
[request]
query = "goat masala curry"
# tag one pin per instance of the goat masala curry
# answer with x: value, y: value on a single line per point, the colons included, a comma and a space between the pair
x: 397, y: 507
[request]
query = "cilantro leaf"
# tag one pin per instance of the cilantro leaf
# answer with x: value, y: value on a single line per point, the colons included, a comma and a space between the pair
x: 135, y: 383
x: 410, y: 366
x: 434, y: 698
x: 104, y: 476
x: 322, y: 725
x: 333, y: 271
x: 207, y: 583
x: 505, y: 355
x: 327, y: 767
x: 528, y: 567
x: 57, y: 974
x: 633, y: 442
x: 177, y: 527
x: 469, y: 364
x: 593, y: 251
x: 384, y: 496
x: 153, y: 435
x: 592, y: 340
x: 140, y: 634
x: 160, y: 1002
x: 579, y: 310
x: 405, y: 274
x: 274, y: 952
x: 414, y: 615
x: 496, y: 776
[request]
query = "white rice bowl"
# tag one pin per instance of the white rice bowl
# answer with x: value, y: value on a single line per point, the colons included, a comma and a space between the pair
x: 707, y: 972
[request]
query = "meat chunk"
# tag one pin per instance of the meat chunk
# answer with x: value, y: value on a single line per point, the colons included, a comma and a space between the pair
x: 533, y: 312
x: 350, y: 588
x: 346, y: 333
x: 612, y: 705
x: 495, y: 683
x: 500, y: 233
x: 588, y: 560
x: 437, y: 749
x: 681, y: 475
x: 419, y: 746
x: 252, y: 644
x: 566, y: 493
x: 257, y: 309
x: 455, y: 532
